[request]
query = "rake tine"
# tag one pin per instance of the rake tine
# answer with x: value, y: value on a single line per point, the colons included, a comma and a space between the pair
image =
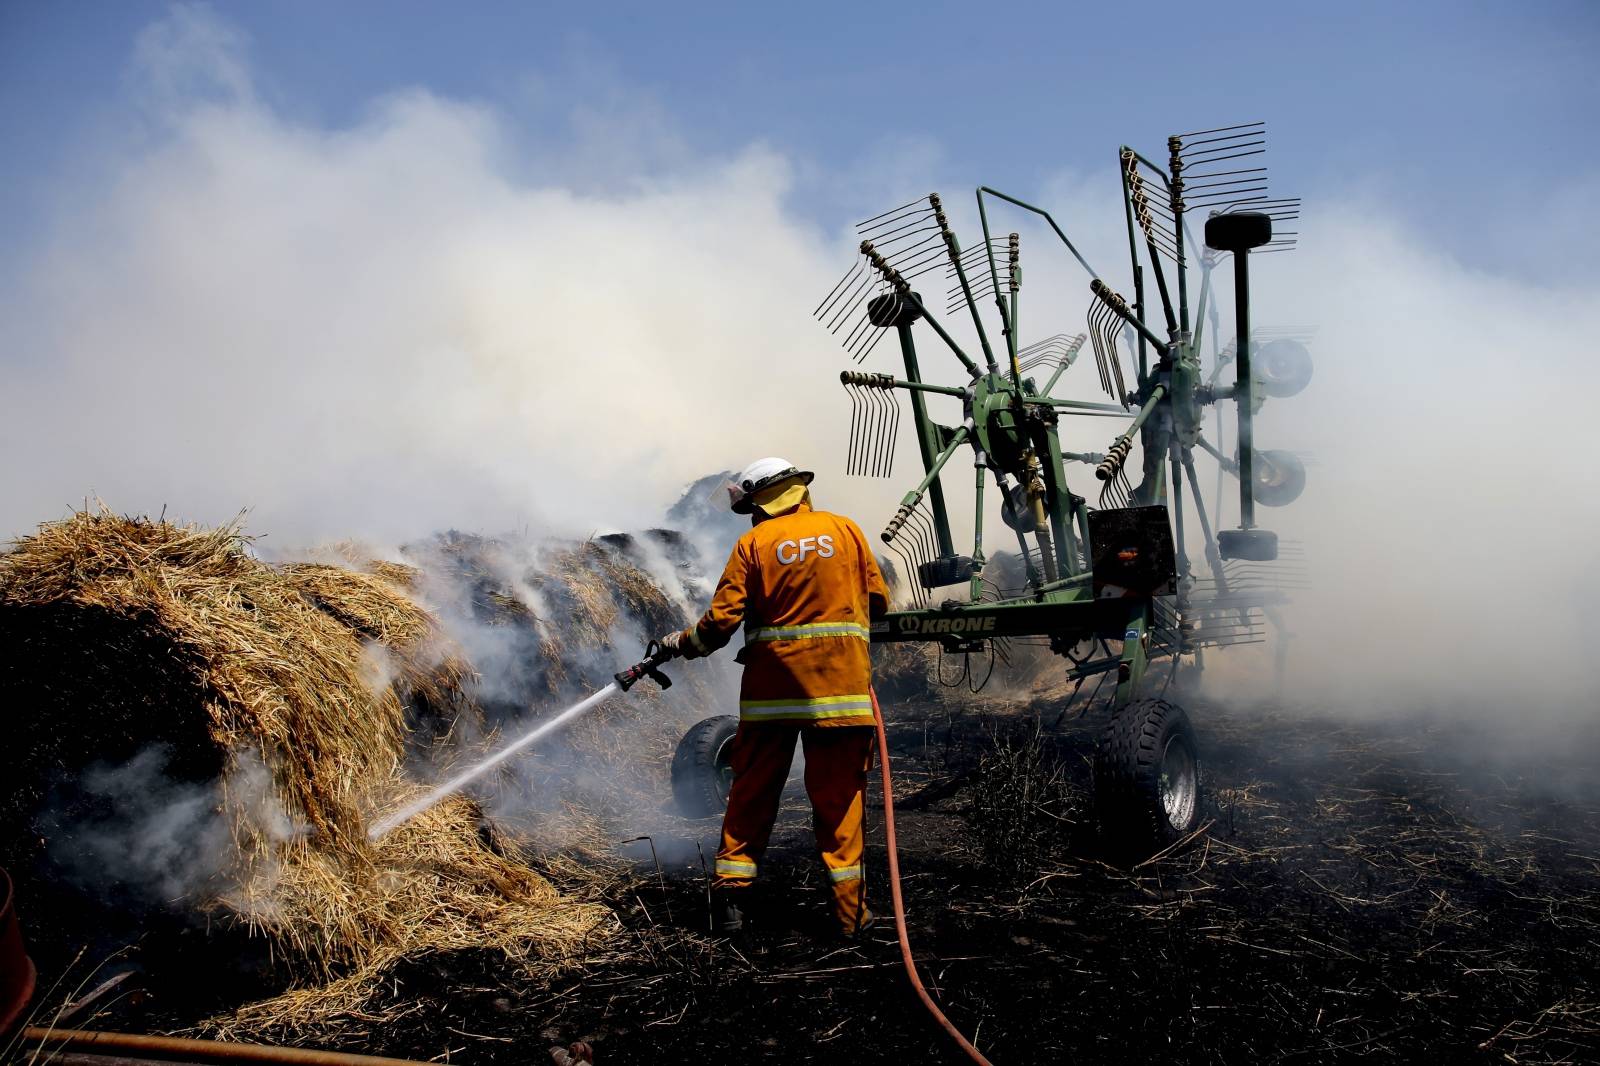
x: 880, y: 429
x: 862, y: 348
x: 857, y: 294
x: 885, y: 435
x: 1221, y: 205
x: 884, y: 238
x: 869, y: 433
x: 1099, y: 336
x: 872, y: 345
x: 1218, y: 184
x: 972, y: 255
x: 894, y: 432
x: 846, y: 308
x: 828, y: 301
x: 1254, y: 132
x: 916, y: 540
x: 900, y: 220
x: 865, y: 321
x: 1224, y: 174
x: 1236, y: 155
x: 1232, y: 140
x: 915, y: 265
x: 905, y: 568
x: 930, y: 542
x: 851, y: 467
x: 1160, y: 208
x: 896, y: 230
x: 892, y: 211
x: 868, y: 412
x: 930, y: 236
x: 1223, y: 129
x: 1110, y: 367
x: 895, y: 256
x: 858, y: 331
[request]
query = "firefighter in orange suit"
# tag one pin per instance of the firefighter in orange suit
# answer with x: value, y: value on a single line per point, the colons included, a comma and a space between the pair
x: 805, y: 586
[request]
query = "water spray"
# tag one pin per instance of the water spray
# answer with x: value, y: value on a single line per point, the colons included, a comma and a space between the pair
x: 649, y: 666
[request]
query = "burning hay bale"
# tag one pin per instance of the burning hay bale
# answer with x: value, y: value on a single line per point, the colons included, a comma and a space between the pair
x: 547, y: 622
x: 289, y: 691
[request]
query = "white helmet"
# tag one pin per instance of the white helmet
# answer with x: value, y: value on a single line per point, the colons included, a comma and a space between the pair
x: 759, y: 475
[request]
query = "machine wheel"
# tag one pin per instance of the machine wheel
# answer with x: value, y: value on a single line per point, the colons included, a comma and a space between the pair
x: 1147, y: 777
x: 702, y: 767
x: 1283, y: 366
x: 1280, y: 477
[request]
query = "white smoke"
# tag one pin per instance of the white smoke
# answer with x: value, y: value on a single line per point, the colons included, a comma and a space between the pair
x: 383, y: 329
x: 388, y: 329
x: 1449, y: 521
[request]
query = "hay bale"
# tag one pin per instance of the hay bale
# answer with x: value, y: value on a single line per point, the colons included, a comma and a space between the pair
x: 557, y: 618
x: 126, y: 632
x: 548, y: 621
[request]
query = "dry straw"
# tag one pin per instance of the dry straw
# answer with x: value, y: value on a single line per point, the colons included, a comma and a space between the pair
x: 307, y: 670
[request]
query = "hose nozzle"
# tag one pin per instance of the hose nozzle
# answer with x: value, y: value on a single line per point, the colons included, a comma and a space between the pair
x: 650, y: 666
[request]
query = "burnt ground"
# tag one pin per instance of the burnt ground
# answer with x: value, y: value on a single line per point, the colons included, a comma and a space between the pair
x: 1399, y: 892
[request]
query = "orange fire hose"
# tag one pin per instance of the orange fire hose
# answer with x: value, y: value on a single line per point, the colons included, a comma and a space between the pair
x: 199, y: 1050
x: 899, y: 903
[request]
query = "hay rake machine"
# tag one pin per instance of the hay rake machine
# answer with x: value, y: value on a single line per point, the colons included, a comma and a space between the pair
x: 1110, y: 588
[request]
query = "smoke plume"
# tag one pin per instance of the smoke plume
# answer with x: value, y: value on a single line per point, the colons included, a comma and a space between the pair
x: 389, y: 329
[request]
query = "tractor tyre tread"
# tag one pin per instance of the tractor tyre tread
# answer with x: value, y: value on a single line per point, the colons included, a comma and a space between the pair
x: 1127, y: 775
x: 695, y: 784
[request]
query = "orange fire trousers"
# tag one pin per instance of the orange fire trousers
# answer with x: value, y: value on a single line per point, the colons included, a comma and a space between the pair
x: 837, y: 761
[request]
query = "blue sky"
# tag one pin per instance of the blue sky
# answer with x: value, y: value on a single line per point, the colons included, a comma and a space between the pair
x: 1466, y: 116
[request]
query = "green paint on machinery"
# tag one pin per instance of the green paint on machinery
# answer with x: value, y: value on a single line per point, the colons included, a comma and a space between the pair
x: 1111, y: 588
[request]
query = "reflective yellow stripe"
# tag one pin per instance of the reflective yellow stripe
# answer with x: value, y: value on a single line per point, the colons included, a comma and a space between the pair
x: 810, y: 631
x: 844, y: 873
x: 805, y: 714
x: 735, y: 868
x: 812, y: 709
x: 694, y: 638
x: 808, y: 701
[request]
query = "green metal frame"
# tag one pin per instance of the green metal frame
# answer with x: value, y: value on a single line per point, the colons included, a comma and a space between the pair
x: 1011, y: 426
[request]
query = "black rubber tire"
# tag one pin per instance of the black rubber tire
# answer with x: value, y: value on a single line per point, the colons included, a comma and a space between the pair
x: 1280, y: 477
x: 1282, y: 366
x: 1129, y: 764
x: 702, y: 767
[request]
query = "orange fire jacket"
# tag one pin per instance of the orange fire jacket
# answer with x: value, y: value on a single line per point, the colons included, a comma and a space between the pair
x: 806, y: 588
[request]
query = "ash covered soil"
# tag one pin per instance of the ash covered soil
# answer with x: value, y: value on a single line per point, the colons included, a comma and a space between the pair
x: 1401, y: 891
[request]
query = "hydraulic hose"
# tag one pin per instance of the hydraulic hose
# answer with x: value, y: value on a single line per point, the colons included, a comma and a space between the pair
x: 899, y: 902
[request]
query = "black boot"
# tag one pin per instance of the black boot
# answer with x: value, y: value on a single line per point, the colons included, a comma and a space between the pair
x: 727, y: 918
